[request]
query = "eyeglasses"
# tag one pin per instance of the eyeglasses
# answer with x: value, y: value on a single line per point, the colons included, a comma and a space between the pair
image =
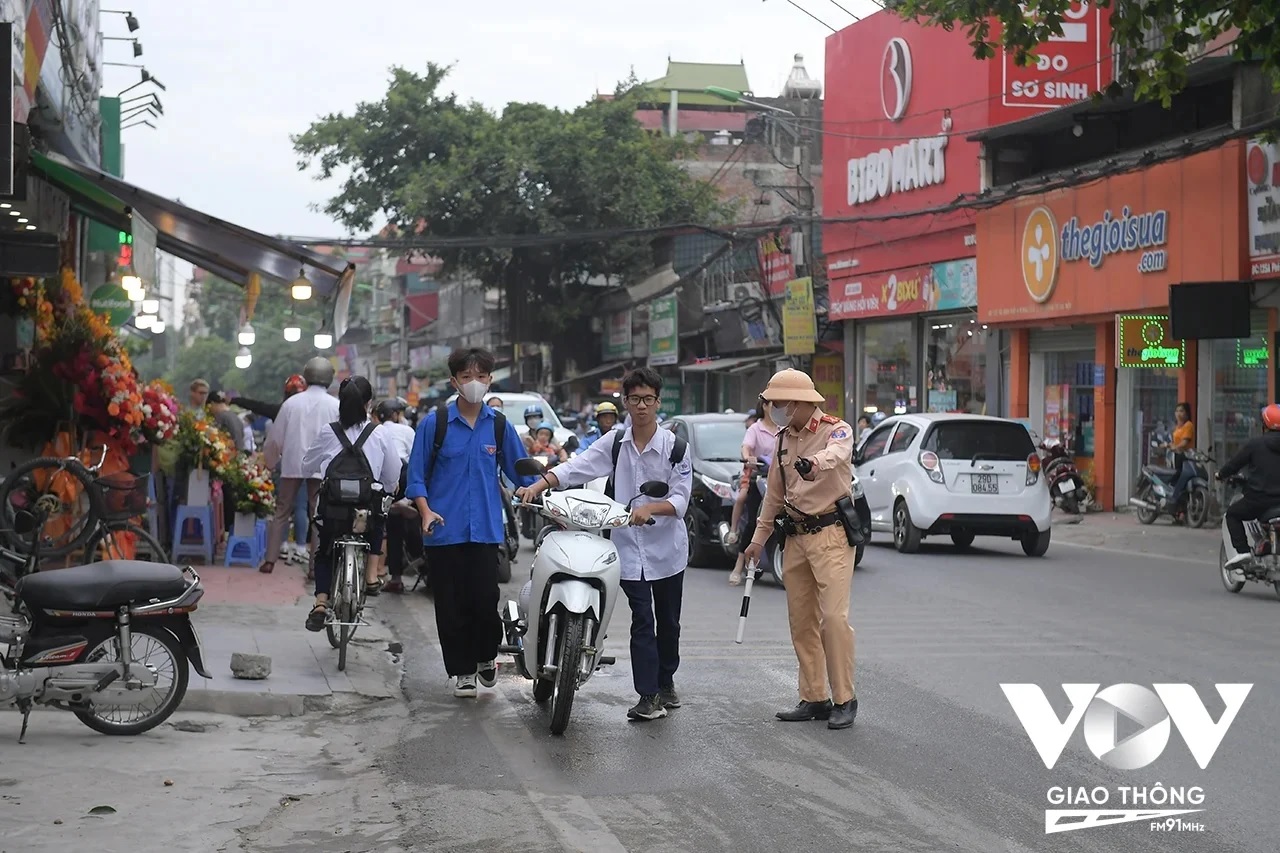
x: 646, y: 401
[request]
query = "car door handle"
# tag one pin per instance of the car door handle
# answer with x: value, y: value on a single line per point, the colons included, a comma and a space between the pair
x: 873, y: 472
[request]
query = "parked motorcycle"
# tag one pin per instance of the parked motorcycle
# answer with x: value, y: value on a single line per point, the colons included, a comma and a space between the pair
x: 771, y: 559
x: 556, y: 630
x: 1155, y: 487
x: 1058, y: 467
x: 1264, y: 543
x: 66, y: 630
x: 529, y: 520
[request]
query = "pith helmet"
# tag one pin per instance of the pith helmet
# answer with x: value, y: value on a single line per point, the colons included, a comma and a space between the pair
x: 792, y: 386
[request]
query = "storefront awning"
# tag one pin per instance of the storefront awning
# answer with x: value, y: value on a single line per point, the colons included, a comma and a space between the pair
x: 222, y: 248
x: 595, y: 371
x: 727, y: 365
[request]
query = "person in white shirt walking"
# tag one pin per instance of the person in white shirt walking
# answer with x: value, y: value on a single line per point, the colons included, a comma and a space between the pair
x: 653, y: 558
x: 295, y: 428
x: 390, y: 415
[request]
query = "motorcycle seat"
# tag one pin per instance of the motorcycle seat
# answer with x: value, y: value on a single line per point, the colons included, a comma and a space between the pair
x: 102, y: 586
x: 1271, y: 516
x: 1163, y: 473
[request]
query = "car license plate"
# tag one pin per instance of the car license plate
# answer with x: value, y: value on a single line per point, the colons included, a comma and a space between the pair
x: 984, y: 484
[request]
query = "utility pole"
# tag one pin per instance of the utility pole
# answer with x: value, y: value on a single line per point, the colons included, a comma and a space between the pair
x: 402, y: 345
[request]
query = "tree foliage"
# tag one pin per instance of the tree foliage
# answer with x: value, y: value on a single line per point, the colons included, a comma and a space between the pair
x: 420, y: 157
x: 1160, y: 38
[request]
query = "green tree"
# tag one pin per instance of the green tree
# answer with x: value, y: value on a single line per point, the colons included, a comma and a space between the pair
x: 421, y: 157
x: 204, y: 358
x: 1160, y: 38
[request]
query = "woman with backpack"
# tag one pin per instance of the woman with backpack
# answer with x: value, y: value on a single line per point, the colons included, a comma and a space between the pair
x: 351, y: 448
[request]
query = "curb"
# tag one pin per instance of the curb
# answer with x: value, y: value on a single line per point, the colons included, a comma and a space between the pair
x: 242, y: 704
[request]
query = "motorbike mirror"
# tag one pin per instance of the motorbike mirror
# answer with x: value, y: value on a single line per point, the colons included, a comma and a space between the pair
x: 654, y: 489
x: 24, y: 522
x: 571, y: 445
x: 529, y: 467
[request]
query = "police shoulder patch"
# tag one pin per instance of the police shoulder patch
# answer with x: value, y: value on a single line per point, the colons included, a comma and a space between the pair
x: 839, y: 434
x: 684, y: 467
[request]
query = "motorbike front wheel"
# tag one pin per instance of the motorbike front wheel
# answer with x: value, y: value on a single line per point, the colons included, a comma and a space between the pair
x: 567, y: 665
x: 161, y: 652
x: 1197, y: 508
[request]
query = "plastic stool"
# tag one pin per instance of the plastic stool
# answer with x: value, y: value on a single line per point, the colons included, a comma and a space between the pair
x: 203, y: 515
x: 244, y: 551
x: 260, y: 529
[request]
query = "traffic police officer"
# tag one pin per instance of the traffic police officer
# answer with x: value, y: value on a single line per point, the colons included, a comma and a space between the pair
x: 811, y: 474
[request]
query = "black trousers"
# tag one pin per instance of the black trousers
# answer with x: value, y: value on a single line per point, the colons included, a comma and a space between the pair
x: 655, y: 632
x: 404, y: 534
x: 1247, y: 508
x: 464, y: 583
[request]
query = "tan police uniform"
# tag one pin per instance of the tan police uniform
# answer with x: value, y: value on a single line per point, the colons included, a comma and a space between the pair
x: 817, y: 567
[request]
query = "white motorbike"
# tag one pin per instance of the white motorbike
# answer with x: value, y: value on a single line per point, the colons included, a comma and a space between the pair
x: 556, y: 631
x: 1264, y: 544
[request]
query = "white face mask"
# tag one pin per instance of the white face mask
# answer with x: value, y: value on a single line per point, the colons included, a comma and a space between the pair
x: 781, y: 415
x: 474, y: 391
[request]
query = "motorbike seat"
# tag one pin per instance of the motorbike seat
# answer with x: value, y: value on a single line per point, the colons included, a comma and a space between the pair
x: 1271, y: 516
x: 1163, y: 473
x: 102, y: 586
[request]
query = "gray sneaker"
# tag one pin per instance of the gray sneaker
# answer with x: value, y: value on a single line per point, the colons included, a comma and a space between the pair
x: 668, y: 697
x: 648, y: 708
x: 465, y: 687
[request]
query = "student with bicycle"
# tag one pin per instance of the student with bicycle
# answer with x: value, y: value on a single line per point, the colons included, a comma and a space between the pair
x: 353, y: 437
x: 453, y: 479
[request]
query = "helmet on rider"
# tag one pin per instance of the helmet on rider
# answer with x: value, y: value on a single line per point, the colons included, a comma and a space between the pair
x: 294, y: 384
x: 533, y: 416
x: 609, y: 412
x: 1271, y: 417
x: 387, y: 409
x: 318, y: 371
x: 547, y: 428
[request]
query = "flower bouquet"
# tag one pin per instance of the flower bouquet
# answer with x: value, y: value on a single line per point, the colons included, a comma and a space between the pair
x: 159, y: 413
x: 251, y: 488
x: 203, y: 446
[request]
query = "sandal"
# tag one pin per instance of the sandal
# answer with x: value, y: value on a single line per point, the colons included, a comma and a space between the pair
x: 266, y: 567
x: 316, y: 618
x: 375, y: 588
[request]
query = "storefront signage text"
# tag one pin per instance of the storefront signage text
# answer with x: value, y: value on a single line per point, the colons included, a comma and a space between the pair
x: 1252, y: 353
x: 798, y: 318
x: 1262, y: 173
x: 1144, y: 341
x: 664, y: 339
x: 946, y: 286
x: 912, y: 165
x: 1111, y: 236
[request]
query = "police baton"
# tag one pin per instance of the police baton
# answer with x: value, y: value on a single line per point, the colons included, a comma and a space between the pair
x: 753, y: 572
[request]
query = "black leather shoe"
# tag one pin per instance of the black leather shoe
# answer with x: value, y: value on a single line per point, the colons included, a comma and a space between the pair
x: 806, y: 711
x: 842, y: 716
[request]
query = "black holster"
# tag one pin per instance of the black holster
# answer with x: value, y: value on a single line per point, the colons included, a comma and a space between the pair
x: 848, y: 514
x: 785, y: 525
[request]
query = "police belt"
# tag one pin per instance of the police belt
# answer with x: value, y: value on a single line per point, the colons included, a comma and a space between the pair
x: 793, y: 526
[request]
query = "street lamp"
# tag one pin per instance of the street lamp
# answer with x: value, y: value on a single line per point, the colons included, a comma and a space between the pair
x: 151, y: 306
x: 157, y: 328
x: 247, y: 335
x: 145, y: 321
x: 129, y: 19
x: 244, y: 358
x: 323, y: 340
x: 301, y: 288
x: 735, y: 97
x: 137, y: 45
x: 292, y: 334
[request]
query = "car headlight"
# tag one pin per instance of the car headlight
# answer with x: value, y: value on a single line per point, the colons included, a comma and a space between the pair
x: 720, y: 489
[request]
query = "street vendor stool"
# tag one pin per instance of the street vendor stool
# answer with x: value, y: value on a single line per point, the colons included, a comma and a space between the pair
x: 245, y: 550
x: 203, y: 516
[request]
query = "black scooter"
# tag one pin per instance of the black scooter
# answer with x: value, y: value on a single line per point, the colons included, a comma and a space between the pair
x: 1155, y: 487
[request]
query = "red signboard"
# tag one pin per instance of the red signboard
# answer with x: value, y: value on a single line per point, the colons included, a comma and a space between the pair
x: 905, y: 291
x: 777, y: 262
x: 1067, y: 68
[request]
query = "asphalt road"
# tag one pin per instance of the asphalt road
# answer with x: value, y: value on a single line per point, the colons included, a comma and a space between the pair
x: 936, y: 761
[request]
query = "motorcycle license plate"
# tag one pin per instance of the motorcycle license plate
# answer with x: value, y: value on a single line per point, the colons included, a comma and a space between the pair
x: 1064, y: 487
x: 984, y: 484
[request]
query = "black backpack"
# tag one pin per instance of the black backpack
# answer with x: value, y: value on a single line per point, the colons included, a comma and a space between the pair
x: 677, y: 456
x: 348, y: 481
x: 442, y: 426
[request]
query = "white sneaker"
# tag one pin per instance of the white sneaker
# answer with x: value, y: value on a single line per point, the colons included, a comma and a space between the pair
x: 1238, y: 558
x: 465, y: 687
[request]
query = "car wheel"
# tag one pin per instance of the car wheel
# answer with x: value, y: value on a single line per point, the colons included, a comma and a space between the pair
x: 906, y: 536
x: 962, y: 538
x: 691, y: 530
x: 775, y: 568
x: 1036, y: 544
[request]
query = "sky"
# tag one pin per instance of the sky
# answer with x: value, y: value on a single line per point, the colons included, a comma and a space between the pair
x: 242, y: 76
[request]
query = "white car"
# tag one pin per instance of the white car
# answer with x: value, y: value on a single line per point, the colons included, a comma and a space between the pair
x: 513, y: 406
x: 957, y: 475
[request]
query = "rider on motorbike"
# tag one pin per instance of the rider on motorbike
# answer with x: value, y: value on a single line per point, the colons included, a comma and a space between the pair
x: 1261, y: 455
x: 606, y: 419
x: 544, y: 443
x: 533, y: 417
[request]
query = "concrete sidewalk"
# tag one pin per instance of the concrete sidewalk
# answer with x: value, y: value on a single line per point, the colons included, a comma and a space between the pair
x: 246, y: 611
x: 1120, y: 531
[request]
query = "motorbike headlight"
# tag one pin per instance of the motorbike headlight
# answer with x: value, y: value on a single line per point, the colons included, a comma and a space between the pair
x: 719, y: 489
x: 583, y: 514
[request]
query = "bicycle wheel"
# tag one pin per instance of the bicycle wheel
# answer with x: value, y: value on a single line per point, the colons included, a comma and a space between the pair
x: 60, y: 491
x: 103, y: 545
x: 331, y: 630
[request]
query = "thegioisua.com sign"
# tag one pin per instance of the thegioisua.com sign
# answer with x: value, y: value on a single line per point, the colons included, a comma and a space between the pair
x: 1112, y: 235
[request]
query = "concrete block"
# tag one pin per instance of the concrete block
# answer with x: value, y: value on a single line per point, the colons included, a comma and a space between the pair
x: 250, y: 666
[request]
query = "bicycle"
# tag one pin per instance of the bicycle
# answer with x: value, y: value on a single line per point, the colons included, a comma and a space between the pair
x: 91, y: 509
x: 350, y: 554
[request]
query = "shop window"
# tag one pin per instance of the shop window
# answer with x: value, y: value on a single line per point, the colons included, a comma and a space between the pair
x: 956, y: 350
x: 1069, y: 380
x: 889, y: 368
x: 1239, y: 389
x: 1155, y: 396
x: 903, y: 437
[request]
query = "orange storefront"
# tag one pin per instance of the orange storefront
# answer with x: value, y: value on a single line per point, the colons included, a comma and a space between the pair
x: 1079, y: 278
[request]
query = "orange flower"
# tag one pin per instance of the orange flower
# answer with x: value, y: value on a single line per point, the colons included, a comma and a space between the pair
x: 113, y: 409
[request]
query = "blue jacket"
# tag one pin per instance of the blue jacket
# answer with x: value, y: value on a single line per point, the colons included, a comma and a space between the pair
x: 464, y: 486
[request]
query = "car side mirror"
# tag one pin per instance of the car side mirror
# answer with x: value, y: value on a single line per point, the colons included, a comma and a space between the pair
x: 654, y: 489
x: 530, y: 467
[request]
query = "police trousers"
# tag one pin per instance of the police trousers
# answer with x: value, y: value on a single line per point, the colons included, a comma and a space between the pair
x: 818, y: 571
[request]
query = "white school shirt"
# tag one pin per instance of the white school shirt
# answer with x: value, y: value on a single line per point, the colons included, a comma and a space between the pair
x: 295, y: 428
x: 403, y: 436
x: 648, y: 552
x: 379, y: 448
